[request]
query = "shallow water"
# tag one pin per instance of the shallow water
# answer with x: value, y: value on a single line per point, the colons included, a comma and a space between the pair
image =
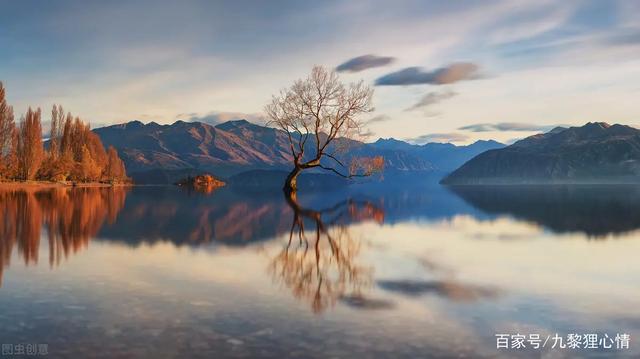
x: 416, y: 271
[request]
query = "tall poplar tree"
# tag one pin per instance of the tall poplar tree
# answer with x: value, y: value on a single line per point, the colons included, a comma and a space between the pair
x: 30, y: 150
x: 7, y: 129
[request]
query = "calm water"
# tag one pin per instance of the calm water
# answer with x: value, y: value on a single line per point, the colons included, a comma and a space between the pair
x: 417, y: 271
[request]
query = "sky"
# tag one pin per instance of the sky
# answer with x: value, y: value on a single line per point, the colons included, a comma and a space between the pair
x: 442, y: 71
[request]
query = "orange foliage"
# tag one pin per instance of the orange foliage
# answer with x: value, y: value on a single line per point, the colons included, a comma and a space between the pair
x: 366, y: 166
x: 204, y: 183
x: 30, y: 150
x: 7, y: 138
x: 74, y: 153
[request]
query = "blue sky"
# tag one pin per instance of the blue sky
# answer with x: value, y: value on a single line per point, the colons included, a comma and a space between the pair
x: 442, y: 70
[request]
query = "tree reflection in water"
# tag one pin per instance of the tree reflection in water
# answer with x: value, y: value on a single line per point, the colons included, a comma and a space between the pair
x: 318, y: 263
x: 71, y: 217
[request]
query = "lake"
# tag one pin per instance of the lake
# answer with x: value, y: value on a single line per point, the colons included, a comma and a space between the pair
x: 377, y: 270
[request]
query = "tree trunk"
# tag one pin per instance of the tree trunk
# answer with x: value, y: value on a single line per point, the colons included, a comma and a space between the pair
x: 291, y: 183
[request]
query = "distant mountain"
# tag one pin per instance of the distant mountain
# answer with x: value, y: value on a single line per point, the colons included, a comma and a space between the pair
x: 448, y: 157
x: 155, y: 153
x: 445, y: 157
x: 393, y: 144
x: 594, y: 153
x: 184, y: 145
x: 229, y: 148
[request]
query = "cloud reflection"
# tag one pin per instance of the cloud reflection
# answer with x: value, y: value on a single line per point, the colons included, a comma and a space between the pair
x: 455, y: 291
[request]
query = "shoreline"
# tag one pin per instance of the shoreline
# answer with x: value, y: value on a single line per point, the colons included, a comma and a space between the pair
x: 46, y: 184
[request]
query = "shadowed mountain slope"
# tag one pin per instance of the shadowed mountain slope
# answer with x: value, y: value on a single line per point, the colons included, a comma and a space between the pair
x: 593, y: 153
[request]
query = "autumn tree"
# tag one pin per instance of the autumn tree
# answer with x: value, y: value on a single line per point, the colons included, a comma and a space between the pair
x: 11, y: 160
x: 114, y: 170
x: 81, y: 154
x: 57, y: 128
x: 30, y: 150
x: 89, y: 169
x: 316, y: 113
x: 66, y: 161
x: 74, y: 151
x: 52, y: 168
x: 7, y: 134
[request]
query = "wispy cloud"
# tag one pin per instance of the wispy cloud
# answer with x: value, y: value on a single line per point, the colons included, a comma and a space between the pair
x: 378, y: 118
x: 507, y: 126
x: 531, y: 22
x: 431, y: 98
x: 216, y: 117
x: 459, y: 71
x: 439, y: 137
x: 364, y: 62
x: 623, y: 38
x: 116, y: 60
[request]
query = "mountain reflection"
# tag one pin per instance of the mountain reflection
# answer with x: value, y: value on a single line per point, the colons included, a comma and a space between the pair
x: 593, y: 210
x: 70, y: 217
x: 160, y: 214
x: 319, y: 264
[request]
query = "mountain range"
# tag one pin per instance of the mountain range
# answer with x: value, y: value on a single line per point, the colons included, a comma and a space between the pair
x: 444, y: 157
x: 160, y: 153
x: 594, y: 153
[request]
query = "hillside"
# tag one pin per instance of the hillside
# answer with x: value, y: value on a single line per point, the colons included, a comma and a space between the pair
x: 593, y: 153
x: 156, y: 153
x: 184, y: 145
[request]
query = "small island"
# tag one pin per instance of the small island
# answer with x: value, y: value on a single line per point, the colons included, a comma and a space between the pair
x: 202, y: 183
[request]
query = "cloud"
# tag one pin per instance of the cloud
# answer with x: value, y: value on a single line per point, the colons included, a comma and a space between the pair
x: 439, y: 137
x: 508, y: 126
x: 216, y: 117
x: 531, y: 23
x: 364, y: 303
x: 459, y: 71
x: 379, y: 118
x: 431, y: 98
x: 631, y: 38
x: 364, y: 62
x: 449, y: 289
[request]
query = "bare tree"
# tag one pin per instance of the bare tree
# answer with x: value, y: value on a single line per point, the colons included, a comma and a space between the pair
x: 322, y: 109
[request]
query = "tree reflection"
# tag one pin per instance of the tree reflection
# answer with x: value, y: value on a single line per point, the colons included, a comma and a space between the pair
x: 318, y: 263
x: 70, y: 217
